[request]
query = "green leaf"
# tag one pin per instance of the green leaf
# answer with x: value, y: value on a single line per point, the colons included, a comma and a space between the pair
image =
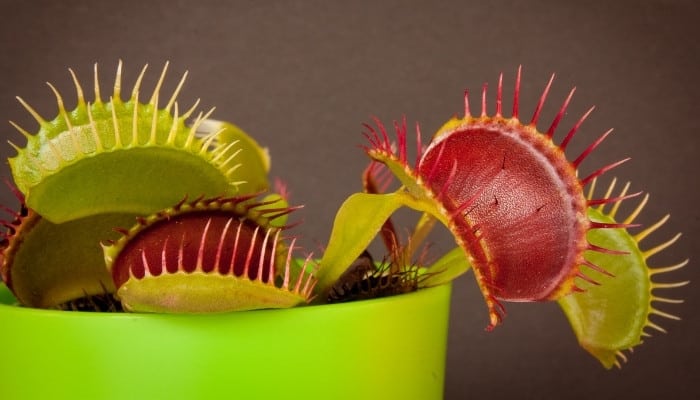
x: 203, y: 292
x: 275, y: 201
x: 357, y: 222
x: 451, y: 265
x: 135, y: 181
x: 610, y: 317
x: 254, y: 160
x: 50, y: 264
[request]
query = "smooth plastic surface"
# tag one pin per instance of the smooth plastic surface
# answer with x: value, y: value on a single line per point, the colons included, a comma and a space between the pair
x: 391, y: 348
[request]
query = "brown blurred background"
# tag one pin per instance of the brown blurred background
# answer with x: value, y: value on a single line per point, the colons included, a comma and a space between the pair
x: 302, y: 76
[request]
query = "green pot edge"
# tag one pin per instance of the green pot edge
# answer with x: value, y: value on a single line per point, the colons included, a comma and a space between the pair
x: 393, y: 347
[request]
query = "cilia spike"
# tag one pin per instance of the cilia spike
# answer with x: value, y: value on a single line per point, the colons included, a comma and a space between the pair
x: 508, y: 194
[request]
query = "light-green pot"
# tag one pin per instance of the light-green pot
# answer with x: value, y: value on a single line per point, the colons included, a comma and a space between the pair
x: 389, y: 348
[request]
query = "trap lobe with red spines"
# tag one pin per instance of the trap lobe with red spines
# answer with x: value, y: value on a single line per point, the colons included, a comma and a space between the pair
x: 508, y: 194
x: 208, y: 255
x: 516, y: 202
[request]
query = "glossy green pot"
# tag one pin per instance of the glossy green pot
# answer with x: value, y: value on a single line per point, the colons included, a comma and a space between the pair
x: 390, y: 348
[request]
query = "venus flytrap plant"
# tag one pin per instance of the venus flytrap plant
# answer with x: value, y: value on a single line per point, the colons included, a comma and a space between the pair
x: 519, y: 215
x: 126, y: 200
x: 107, y: 166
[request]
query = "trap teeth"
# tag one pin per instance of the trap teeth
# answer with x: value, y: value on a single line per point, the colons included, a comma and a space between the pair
x: 207, y: 256
x: 127, y: 156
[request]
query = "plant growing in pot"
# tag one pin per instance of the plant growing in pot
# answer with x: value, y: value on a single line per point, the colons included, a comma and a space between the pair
x: 171, y: 233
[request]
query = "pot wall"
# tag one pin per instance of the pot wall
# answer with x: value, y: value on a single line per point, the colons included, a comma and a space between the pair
x: 391, y: 348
